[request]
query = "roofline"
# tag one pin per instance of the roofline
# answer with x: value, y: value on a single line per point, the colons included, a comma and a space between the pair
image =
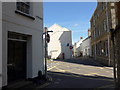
x: 94, y: 13
x: 86, y: 38
x: 61, y: 27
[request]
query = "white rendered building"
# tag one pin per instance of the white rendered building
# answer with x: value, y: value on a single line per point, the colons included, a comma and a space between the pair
x: 86, y: 47
x: 77, y: 48
x: 21, y: 42
x: 60, y: 42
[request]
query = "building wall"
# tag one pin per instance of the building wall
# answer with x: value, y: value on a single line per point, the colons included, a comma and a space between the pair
x: 117, y: 42
x: 86, y: 47
x: 58, y: 43
x: 117, y: 51
x: 117, y: 13
x: 74, y: 50
x: 33, y: 29
x: 100, y: 28
x: 77, y: 48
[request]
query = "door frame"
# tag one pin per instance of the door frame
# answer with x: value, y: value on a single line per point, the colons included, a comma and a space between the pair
x: 17, y: 40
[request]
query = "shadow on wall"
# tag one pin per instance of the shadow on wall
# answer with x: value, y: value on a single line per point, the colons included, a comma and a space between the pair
x: 65, y: 41
x: 61, y: 56
x: 79, y: 52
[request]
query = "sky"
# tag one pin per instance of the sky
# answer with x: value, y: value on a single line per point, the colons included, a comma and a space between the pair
x: 72, y: 15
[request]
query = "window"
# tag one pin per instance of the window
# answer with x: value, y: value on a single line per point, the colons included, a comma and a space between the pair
x: 105, y: 25
x: 99, y: 30
x: 100, y: 47
x: 24, y: 7
x: 106, y: 44
x: 17, y: 36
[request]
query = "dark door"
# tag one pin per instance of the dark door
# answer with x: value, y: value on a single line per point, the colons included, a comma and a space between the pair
x: 16, y: 60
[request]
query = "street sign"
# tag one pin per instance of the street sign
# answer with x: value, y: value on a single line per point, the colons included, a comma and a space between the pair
x: 48, y: 38
x: 71, y: 47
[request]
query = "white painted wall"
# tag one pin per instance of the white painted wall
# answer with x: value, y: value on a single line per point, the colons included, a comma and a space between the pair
x: 32, y: 28
x: 58, y: 43
x: 77, y: 48
x: 86, y: 47
x: 0, y: 45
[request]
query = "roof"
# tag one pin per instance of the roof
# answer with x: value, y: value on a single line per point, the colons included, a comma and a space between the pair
x: 58, y: 27
x: 86, y: 38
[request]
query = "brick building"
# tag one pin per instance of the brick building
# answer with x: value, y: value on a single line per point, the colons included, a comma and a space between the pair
x: 101, y: 23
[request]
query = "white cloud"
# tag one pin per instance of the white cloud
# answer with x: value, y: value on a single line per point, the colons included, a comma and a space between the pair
x: 75, y: 25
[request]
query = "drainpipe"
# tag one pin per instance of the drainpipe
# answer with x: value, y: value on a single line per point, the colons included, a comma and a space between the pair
x: 112, y: 39
x: 108, y: 28
x: 109, y: 50
x: 95, y: 51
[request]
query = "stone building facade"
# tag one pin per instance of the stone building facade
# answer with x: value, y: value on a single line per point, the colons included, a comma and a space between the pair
x: 100, y: 32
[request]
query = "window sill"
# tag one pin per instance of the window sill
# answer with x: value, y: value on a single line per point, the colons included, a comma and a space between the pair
x: 24, y: 14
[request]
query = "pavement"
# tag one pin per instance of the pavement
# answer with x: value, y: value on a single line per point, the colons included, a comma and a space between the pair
x: 79, y: 73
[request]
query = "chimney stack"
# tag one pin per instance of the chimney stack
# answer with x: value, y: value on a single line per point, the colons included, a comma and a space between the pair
x: 81, y: 38
x: 89, y: 32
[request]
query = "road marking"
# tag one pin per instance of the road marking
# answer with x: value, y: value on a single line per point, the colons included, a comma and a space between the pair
x: 90, y: 74
x: 101, y: 68
x: 53, y: 67
x: 61, y: 70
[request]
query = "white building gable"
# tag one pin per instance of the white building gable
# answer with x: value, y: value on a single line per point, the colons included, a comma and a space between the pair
x: 60, y: 38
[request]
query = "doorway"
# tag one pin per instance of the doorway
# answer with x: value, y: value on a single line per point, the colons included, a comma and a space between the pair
x: 16, y: 60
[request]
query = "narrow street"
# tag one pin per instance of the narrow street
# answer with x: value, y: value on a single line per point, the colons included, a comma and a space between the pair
x: 79, y: 73
x: 60, y: 44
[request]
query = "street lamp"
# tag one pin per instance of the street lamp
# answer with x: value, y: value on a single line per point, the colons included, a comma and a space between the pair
x: 46, y: 53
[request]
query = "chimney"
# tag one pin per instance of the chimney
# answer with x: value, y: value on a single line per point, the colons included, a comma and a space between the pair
x: 81, y: 38
x: 89, y: 32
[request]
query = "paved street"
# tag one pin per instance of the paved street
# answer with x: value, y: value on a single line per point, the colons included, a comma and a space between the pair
x: 79, y: 73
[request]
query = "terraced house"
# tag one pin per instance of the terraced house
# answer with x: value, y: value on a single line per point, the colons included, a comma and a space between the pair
x: 102, y: 21
x: 22, y: 43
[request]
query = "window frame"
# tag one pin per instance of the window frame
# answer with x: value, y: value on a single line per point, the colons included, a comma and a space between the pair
x: 23, y: 13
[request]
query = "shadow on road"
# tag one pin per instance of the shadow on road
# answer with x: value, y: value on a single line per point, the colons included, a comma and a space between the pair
x: 82, y: 61
x: 82, y: 76
x: 71, y: 80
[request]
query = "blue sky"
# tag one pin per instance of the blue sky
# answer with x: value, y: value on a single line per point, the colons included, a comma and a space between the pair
x: 72, y: 15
